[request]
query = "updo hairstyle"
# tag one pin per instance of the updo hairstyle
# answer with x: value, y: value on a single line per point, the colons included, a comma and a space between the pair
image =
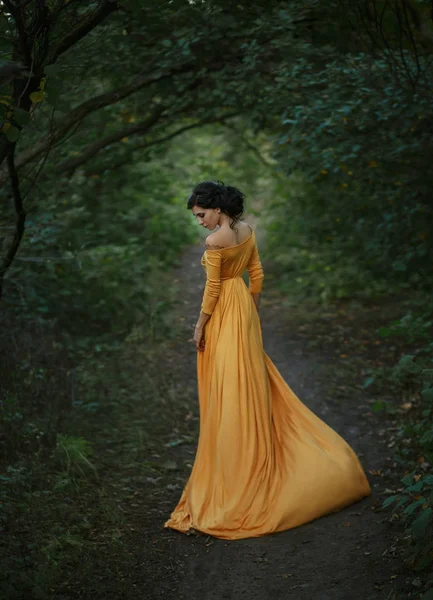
x: 214, y: 194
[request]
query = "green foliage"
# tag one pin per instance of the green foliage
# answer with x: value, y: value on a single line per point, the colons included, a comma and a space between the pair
x: 312, y: 254
x: 347, y: 110
x: 353, y: 138
x: 73, y: 454
x: 97, y: 252
x: 50, y: 520
x: 98, y: 268
x: 93, y: 266
x: 414, y: 504
x: 413, y: 374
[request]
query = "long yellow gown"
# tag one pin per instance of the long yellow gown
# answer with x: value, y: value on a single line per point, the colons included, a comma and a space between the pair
x: 264, y: 461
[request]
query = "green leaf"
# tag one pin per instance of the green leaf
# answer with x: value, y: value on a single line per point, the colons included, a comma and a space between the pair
x: 427, y: 394
x: 407, y: 479
x: 407, y: 362
x: 53, y: 93
x: 12, y: 133
x: 378, y: 406
x: 385, y: 331
x: 417, y: 487
x: 421, y: 523
x: 427, y: 437
x: 425, y: 562
x: 400, y: 503
x: 52, y: 70
x: 389, y: 501
x: 410, y: 508
x: 428, y: 595
x: 368, y: 382
x: 36, y: 97
x: 22, y: 117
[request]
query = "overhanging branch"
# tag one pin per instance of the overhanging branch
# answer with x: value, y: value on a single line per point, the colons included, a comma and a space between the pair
x: 166, y: 138
x: 105, y: 8
x: 69, y: 165
x: 251, y: 147
x: 89, y: 106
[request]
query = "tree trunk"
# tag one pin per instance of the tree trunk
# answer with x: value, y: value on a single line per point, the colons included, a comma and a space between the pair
x: 20, y: 217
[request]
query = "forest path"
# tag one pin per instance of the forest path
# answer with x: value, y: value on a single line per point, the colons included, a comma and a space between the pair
x: 342, y: 556
x: 337, y: 557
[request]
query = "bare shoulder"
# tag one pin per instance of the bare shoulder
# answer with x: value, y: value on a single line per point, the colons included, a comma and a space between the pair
x: 223, y: 238
x: 215, y: 241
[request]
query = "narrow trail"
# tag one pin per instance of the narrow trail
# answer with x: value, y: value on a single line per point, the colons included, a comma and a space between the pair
x: 340, y: 556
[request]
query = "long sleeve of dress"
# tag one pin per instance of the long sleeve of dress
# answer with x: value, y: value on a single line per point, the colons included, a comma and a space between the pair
x: 255, y: 272
x: 213, y: 281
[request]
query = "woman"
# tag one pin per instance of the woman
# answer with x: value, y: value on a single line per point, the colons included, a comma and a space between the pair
x: 264, y: 461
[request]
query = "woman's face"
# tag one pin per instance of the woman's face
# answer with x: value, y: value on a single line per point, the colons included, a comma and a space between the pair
x: 206, y: 217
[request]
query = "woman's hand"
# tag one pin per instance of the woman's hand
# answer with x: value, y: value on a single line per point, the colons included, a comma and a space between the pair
x: 198, y: 331
x: 198, y: 338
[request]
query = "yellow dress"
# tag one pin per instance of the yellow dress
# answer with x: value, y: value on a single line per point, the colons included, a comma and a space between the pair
x: 264, y: 461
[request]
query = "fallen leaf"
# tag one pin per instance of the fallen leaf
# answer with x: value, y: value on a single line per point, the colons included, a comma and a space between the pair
x: 170, y: 465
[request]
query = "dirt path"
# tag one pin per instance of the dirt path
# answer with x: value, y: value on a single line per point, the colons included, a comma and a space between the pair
x: 341, y: 556
x: 333, y: 558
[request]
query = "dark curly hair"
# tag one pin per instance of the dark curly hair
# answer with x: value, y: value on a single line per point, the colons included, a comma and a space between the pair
x: 214, y: 194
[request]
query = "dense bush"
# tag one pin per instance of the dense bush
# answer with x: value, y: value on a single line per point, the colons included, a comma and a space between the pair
x: 412, y: 380
x: 354, y: 137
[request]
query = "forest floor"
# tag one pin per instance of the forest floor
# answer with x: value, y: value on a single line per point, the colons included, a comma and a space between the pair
x: 145, y: 458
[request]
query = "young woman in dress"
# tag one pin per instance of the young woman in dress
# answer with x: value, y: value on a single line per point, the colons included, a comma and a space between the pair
x: 264, y: 461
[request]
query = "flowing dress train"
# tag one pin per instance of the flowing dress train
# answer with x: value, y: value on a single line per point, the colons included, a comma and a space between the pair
x: 264, y: 462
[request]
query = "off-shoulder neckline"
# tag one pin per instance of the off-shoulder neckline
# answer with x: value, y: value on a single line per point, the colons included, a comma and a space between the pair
x: 230, y: 247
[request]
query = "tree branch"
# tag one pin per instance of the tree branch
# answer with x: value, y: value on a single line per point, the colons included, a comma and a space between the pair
x: 87, y: 107
x: 20, y: 217
x: 251, y: 147
x: 16, y: 13
x: 166, y: 138
x: 69, y: 165
x: 27, y: 39
x: 90, y: 21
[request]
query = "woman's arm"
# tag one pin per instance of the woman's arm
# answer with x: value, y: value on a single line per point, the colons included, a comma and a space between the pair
x: 211, y: 292
x: 256, y: 275
x: 212, y: 288
x: 202, y: 320
x: 256, y: 298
